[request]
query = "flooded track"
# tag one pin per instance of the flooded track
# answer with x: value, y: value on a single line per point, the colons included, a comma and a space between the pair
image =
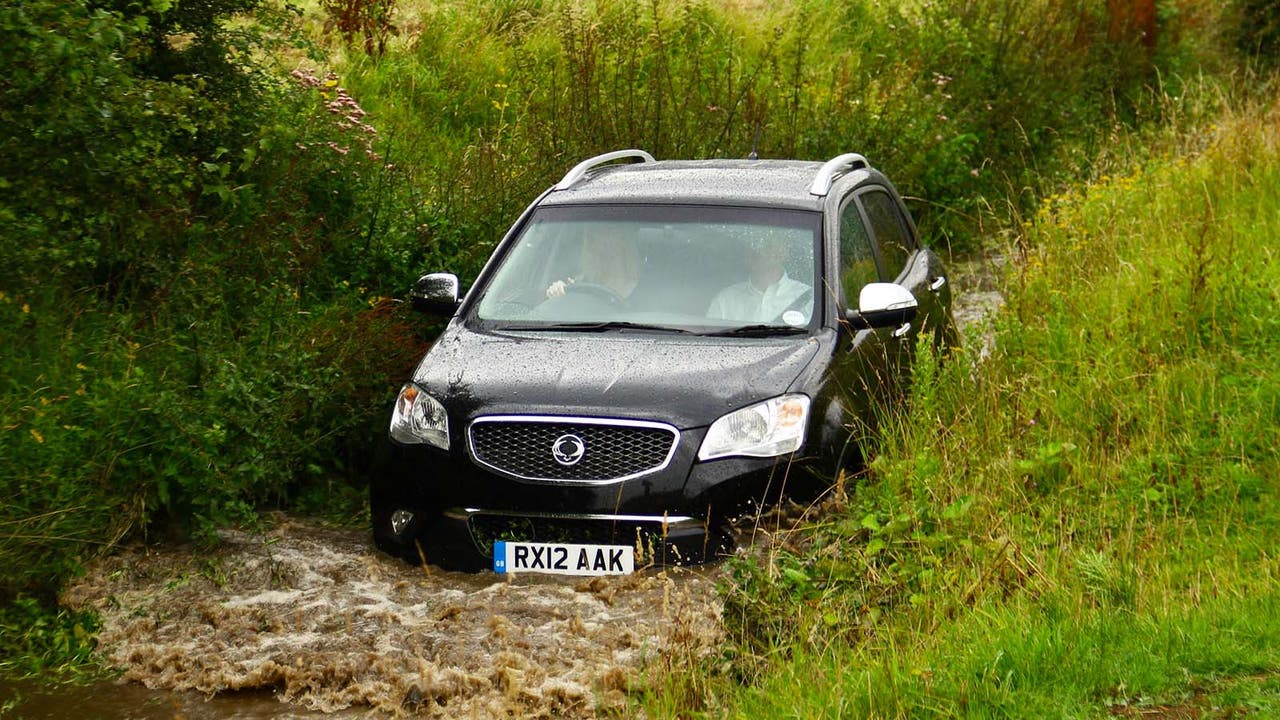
x: 303, y: 621
x: 323, y: 621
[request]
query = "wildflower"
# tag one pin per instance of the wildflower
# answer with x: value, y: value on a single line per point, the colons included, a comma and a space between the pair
x: 26, y: 309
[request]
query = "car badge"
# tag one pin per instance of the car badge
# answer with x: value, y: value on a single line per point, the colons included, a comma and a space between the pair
x: 568, y: 449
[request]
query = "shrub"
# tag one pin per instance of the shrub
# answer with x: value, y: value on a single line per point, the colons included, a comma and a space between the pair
x: 193, y: 301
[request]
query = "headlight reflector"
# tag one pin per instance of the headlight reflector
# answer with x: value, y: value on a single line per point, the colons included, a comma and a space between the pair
x: 419, y: 418
x: 766, y: 429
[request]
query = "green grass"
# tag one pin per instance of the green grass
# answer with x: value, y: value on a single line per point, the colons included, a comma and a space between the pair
x: 1037, y: 657
x: 1085, y: 523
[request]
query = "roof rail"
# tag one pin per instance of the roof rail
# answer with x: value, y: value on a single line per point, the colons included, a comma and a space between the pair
x: 581, y: 168
x: 822, y: 181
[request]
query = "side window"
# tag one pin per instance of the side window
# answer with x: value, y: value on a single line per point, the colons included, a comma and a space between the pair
x: 890, y: 233
x: 857, y: 264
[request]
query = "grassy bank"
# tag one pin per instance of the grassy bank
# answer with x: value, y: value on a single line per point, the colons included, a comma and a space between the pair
x: 1084, y: 524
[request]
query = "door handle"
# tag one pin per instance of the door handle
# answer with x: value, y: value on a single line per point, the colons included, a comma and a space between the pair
x: 902, y: 331
x: 937, y: 283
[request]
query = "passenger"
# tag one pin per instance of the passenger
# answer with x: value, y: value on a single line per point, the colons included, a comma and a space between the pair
x: 767, y: 293
x: 610, y: 260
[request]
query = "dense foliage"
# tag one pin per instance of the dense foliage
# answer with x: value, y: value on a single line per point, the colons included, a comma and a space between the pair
x: 193, y: 261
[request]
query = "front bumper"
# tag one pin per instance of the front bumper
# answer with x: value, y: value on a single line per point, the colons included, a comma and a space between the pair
x: 674, y: 516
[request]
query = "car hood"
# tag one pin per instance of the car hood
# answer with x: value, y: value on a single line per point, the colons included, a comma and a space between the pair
x: 682, y: 380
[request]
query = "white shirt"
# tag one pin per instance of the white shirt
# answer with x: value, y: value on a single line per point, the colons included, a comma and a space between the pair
x: 744, y: 303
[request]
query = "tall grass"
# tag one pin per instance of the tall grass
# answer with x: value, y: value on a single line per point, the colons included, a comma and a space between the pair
x: 489, y: 103
x: 1084, y: 523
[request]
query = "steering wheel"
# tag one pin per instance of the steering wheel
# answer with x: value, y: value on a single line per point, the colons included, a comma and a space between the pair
x: 798, y: 303
x: 600, y: 292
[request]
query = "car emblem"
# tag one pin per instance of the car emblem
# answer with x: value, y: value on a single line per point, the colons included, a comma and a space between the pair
x: 568, y: 449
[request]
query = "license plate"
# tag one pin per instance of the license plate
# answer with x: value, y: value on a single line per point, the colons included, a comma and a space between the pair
x: 563, y: 558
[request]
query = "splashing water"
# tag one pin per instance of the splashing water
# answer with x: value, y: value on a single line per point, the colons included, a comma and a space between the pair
x: 326, y: 622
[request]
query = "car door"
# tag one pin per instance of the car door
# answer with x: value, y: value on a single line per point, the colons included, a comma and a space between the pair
x: 901, y: 259
x: 861, y: 365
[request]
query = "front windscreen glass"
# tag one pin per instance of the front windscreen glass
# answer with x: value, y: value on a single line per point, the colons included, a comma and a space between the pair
x: 690, y: 268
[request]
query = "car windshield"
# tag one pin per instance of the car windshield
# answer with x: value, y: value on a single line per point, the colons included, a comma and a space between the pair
x: 668, y: 268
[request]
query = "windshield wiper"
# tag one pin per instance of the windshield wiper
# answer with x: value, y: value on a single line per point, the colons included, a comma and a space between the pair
x: 598, y: 327
x: 758, y: 331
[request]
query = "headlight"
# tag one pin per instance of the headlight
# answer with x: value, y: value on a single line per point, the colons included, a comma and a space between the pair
x: 419, y: 418
x: 773, y: 427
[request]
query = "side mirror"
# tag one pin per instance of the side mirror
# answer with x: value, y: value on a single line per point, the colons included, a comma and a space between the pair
x: 435, y: 294
x: 882, y: 305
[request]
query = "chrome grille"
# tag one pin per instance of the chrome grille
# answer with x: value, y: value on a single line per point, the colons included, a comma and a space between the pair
x: 612, y: 450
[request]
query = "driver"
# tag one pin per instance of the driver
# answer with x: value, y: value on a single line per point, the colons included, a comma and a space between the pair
x: 610, y: 260
x: 767, y: 293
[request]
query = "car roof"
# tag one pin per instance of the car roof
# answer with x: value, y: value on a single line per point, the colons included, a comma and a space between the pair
x: 754, y: 183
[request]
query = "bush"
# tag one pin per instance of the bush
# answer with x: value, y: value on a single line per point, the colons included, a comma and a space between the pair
x: 1258, y: 30
x: 193, y: 300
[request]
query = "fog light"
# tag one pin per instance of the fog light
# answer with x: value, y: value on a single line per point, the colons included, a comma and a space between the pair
x: 400, y: 520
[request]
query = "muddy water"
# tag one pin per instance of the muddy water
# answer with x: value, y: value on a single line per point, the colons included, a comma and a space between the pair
x: 31, y: 701
x: 325, y: 623
x: 305, y: 622
x: 976, y: 296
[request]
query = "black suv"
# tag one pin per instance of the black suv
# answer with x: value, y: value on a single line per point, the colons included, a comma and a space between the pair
x: 652, y: 348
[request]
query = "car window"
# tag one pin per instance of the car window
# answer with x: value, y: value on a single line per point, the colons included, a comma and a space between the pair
x: 889, y: 231
x: 685, y: 267
x: 857, y: 263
